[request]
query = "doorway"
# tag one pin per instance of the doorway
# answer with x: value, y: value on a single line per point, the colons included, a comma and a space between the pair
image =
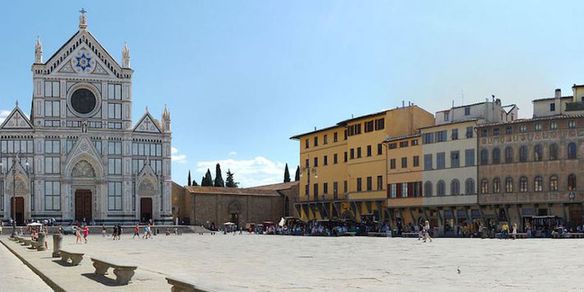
x: 83, y: 210
x: 575, y: 214
x: 17, y: 207
x: 235, y: 218
x: 146, y: 209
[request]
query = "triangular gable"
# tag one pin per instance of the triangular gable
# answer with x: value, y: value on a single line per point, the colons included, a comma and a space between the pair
x: 16, y: 120
x: 147, y: 124
x: 84, y: 146
x: 82, y: 60
x: 83, y: 39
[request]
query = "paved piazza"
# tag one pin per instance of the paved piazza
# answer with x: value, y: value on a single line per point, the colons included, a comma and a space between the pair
x: 276, y: 263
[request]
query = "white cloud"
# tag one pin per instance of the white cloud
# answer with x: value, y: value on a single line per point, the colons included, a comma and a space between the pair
x: 232, y: 153
x: 3, y: 115
x: 249, y: 173
x: 176, y: 156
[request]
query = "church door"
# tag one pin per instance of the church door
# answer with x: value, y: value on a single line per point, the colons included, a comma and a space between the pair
x: 146, y: 209
x: 83, y: 206
x: 17, y: 205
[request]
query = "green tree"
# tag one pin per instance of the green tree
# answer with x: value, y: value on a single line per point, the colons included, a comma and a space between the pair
x: 203, y: 181
x: 194, y: 184
x: 230, y: 183
x: 218, y: 177
x: 297, y: 176
x: 286, y: 174
x: 189, y: 181
x: 207, y: 179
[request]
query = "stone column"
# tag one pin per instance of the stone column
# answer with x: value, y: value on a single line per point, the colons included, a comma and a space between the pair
x: 41, y: 241
x: 57, y: 239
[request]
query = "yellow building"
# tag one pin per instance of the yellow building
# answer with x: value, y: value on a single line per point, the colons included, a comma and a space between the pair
x: 344, y: 167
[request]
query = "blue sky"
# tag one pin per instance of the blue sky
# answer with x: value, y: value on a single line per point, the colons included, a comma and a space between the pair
x: 241, y: 77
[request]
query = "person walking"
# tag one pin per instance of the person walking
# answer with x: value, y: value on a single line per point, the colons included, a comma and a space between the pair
x: 77, y: 235
x: 119, y: 231
x: 514, y: 231
x: 103, y: 230
x: 427, y: 231
x: 85, y: 233
x: 136, y: 232
x: 115, y: 232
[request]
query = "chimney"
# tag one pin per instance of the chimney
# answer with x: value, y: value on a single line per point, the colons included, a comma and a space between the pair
x: 558, y: 93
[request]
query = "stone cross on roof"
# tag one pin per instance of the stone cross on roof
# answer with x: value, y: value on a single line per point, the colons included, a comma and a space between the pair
x: 82, y: 19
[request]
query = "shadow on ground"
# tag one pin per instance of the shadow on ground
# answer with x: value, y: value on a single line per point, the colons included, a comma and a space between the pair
x: 101, y: 279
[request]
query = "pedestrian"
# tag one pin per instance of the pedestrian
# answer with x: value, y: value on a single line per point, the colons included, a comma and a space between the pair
x: 77, y: 235
x: 119, y: 231
x: 514, y: 231
x: 103, y: 230
x: 136, y: 231
x: 85, y: 233
x: 115, y: 232
x: 427, y: 231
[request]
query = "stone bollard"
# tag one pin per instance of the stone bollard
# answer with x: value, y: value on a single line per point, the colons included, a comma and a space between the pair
x: 57, y: 239
x: 41, y: 241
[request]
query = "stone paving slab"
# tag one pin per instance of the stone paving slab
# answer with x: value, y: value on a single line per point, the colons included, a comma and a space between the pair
x: 16, y: 276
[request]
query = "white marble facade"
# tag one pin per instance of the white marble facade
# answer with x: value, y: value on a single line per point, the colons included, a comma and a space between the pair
x: 78, y: 155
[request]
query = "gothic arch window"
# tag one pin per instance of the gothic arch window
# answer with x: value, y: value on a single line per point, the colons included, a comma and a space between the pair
x: 484, y: 186
x: 441, y: 188
x: 523, y: 153
x: 508, y: 184
x: 553, y: 151
x: 508, y: 154
x: 469, y: 186
x: 484, y: 157
x: 428, y: 189
x: 571, y: 182
x: 455, y: 187
x: 496, y: 155
x: 538, y: 184
x: 523, y: 184
x: 496, y: 185
x: 538, y: 153
x: 572, y: 150
x: 553, y: 183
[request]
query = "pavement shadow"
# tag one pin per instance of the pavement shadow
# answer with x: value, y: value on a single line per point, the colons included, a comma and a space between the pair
x: 64, y: 264
x: 101, y: 279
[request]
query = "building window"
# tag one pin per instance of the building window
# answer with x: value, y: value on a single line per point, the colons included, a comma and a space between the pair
x: 484, y: 132
x: 345, y: 187
x: 455, y: 187
x: 446, y: 116
x: 523, y: 184
x: 553, y: 151
x: 428, y: 189
x: 538, y: 184
x: 484, y: 156
x: 484, y: 186
x: 404, y: 162
x: 572, y: 150
x: 454, y: 159
x: 522, y: 128
x: 454, y: 134
x: 306, y: 190
x: 325, y: 188
x: 428, y: 138
x: 416, y: 161
x: 306, y: 143
x: 315, y: 190
x: 467, y: 111
x: 379, y: 182
x: 496, y: 155
x: 306, y: 163
x: 552, y: 107
x: 469, y: 186
x: 571, y: 182
x: 115, y: 111
x: 392, y: 163
x: 469, y: 132
x: 441, y: 188
x: 496, y: 185
x: 508, y: 130
x: 115, y: 148
x: 335, y: 158
x: 523, y: 153
x: 115, y: 166
x: 496, y: 131
x: 538, y: 153
x: 52, y: 165
x: 469, y: 157
x: 368, y: 126
x: 115, y: 91
x: 393, y: 190
x: 508, y: 154
x: 509, y: 184
x: 359, y: 184
x: 52, y: 109
x: 414, y: 142
x: 379, y: 149
x: 358, y: 152
x: 368, y: 150
x: 325, y: 160
x: 427, y: 161
x: 335, y: 137
x: 115, y: 196
x: 441, y: 136
x: 325, y: 140
x: 379, y: 124
x: 404, y: 190
x: 315, y: 164
x: 52, y: 146
x: 52, y: 196
x: 315, y: 141
x: 553, y: 125
x: 369, y: 183
x: 52, y: 89
x: 553, y: 183
x: 440, y: 160
x: 345, y: 156
x: 335, y: 189
x: 537, y: 127
x: 572, y: 124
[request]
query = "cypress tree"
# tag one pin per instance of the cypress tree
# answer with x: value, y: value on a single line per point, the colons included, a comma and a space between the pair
x: 286, y: 174
x: 230, y: 183
x: 203, y: 183
x: 195, y: 184
x: 297, y: 176
x: 218, y: 177
x: 189, y: 181
x: 208, y: 179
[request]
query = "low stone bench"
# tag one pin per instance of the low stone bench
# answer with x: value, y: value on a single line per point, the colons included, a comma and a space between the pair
x: 34, y: 244
x: 26, y: 242
x: 75, y: 257
x: 123, y: 273
x: 183, y: 286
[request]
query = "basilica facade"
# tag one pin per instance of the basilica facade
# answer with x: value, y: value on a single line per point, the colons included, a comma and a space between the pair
x: 78, y: 156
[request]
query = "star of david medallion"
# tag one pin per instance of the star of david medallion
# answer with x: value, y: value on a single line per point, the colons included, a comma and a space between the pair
x: 83, y: 62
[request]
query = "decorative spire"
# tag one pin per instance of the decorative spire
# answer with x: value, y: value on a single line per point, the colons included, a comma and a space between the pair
x: 38, y: 51
x: 82, y: 19
x: 166, y: 119
x: 146, y: 110
x: 125, y: 56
